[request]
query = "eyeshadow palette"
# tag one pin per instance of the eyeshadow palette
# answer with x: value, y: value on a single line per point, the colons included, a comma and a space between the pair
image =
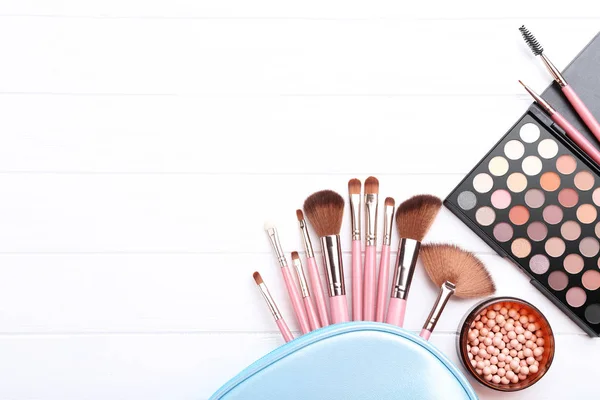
x: 535, y: 199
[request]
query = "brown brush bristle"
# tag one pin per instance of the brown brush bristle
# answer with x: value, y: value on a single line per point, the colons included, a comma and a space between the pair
x: 295, y: 255
x: 416, y: 215
x: 325, y: 211
x: 372, y: 185
x: 446, y: 262
x: 354, y: 186
x: 299, y: 215
x: 257, y: 278
x: 390, y: 202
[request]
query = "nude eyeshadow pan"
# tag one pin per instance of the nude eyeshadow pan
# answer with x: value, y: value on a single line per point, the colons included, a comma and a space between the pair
x: 536, y: 201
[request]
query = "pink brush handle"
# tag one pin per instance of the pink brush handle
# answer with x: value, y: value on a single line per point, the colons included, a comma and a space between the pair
x: 582, y: 110
x: 296, y: 300
x: 396, y: 309
x: 285, y: 331
x: 357, y: 296
x: 317, y: 290
x: 369, y: 286
x: 339, y: 309
x: 425, y: 334
x: 577, y: 137
x: 313, y: 319
x: 382, y: 286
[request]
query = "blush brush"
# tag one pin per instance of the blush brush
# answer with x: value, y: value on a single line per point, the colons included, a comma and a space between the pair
x: 354, y: 188
x: 313, y: 271
x: 414, y: 217
x: 457, y: 272
x: 325, y: 211
x: 568, y: 91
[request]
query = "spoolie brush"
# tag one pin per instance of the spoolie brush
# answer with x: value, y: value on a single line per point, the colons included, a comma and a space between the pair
x: 354, y: 188
x: 283, y: 328
x: 579, y: 106
x: 313, y: 271
x: 325, y: 211
x: 457, y: 272
x: 414, y: 218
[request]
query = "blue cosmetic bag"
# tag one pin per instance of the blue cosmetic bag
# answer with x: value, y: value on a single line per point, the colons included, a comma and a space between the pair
x: 351, y: 361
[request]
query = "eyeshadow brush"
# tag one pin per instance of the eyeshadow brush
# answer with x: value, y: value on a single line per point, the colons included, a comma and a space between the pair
x: 313, y: 271
x: 313, y: 319
x: 287, y: 278
x: 283, y: 328
x: 370, y: 273
x: 325, y: 211
x: 384, y: 261
x: 457, y: 272
x: 414, y: 217
x: 354, y: 189
x: 569, y: 129
x: 569, y: 92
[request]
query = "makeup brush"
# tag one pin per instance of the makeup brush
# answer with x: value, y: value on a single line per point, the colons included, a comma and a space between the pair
x: 414, y: 217
x: 569, y: 129
x: 313, y: 271
x: 569, y: 92
x: 457, y: 272
x: 310, y: 309
x: 384, y: 261
x: 283, y: 328
x: 287, y: 278
x: 354, y: 187
x: 325, y: 211
x: 370, y: 274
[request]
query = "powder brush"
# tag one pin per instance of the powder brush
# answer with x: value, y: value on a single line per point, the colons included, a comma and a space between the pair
x: 325, y: 211
x: 457, y: 272
x: 414, y: 218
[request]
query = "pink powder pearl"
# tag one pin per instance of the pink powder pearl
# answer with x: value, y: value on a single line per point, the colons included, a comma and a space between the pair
x: 512, y: 312
x: 509, y: 327
x: 473, y: 363
x: 514, y: 364
x: 496, y: 341
x: 533, y: 369
x: 490, y: 350
x: 529, y: 344
x: 480, y: 365
x: 496, y: 351
x: 478, y: 325
x: 496, y: 329
x: 511, y: 335
x: 500, y: 318
x: 475, y: 342
x: 504, y: 381
x: 522, y: 377
x: 519, y: 330
x: 524, y: 370
x: 534, y: 338
x: 487, y: 371
x: 503, y: 331
x: 508, y: 359
x: 531, y: 328
x: 523, y: 363
x: 478, y: 317
x: 521, y: 338
x: 501, y: 364
x: 491, y: 314
x: 494, y: 369
x: 475, y: 350
x: 530, y: 361
x: 496, y: 379
x: 502, y: 345
x: 481, y: 353
x: 501, y: 372
x: 491, y: 323
x: 505, y: 351
x: 497, y: 307
x: 537, y: 326
x: 506, y: 340
x: 481, y: 345
x: 501, y: 357
x: 524, y: 319
x: 486, y: 363
x: 519, y: 347
x: 540, y: 342
x: 477, y: 358
x: 527, y: 335
x: 510, y: 374
x: 514, y: 343
x: 538, y: 351
x: 520, y: 355
x: 473, y: 334
x: 484, y: 331
x: 478, y: 371
x: 513, y: 353
x: 484, y: 319
x: 487, y: 341
x: 488, y: 377
x: 490, y: 334
x: 494, y: 360
x: 470, y: 354
x: 515, y: 379
x: 527, y: 352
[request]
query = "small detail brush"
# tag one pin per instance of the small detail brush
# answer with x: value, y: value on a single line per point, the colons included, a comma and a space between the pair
x: 287, y: 277
x: 325, y: 211
x: 569, y: 92
x: 384, y: 261
x: 283, y: 328
x: 414, y: 217
x: 457, y: 272
x: 354, y: 189
x: 313, y: 271
x: 370, y: 273
x: 569, y: 129
x: 313, y: 319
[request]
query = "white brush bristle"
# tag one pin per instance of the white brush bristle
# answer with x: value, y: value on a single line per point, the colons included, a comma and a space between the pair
x: 269, y: 225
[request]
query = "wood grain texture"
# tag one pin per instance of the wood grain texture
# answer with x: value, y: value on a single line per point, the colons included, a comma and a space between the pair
x: 144, y: 143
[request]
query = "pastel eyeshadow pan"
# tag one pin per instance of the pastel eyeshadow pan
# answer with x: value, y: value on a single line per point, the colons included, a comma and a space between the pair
x: 538, y: 203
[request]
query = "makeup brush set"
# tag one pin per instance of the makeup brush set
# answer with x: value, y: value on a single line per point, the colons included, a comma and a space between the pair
x: 534, y: 198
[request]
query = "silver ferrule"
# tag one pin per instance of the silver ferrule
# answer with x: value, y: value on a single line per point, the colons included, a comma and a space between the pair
x: 301, y: 277
x: 270, y: 302
x: 355, y: 215
x: 334, y: 270
x: 388, y: 223
x: 408, y: 253
x: 306, y: 239
x: 446, y: 291
x: 371, y: 200
x: 274, y: 238
x: 554, y: 71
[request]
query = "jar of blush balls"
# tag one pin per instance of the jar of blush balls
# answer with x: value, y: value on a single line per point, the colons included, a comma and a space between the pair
x: 506, y: 344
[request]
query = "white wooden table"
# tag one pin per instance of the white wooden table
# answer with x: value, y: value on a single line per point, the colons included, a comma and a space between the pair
x: 144, y: 143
